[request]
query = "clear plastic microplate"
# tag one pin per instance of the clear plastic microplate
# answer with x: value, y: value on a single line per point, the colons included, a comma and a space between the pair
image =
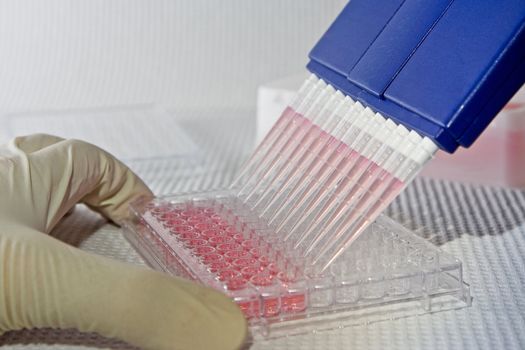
x: 388, y: 272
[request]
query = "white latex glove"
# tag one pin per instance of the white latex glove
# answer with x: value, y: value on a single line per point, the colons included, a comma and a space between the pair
x: 47, y: 283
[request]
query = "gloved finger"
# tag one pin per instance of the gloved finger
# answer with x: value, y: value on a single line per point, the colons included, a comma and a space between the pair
x: 47, y: 283
x: 63, y: 173
x: 35, y: 142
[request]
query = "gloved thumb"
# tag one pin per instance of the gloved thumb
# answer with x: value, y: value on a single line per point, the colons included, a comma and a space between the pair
x: 47, y: 283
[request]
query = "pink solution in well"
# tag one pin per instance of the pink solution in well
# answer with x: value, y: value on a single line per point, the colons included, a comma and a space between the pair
x: 238, y: 264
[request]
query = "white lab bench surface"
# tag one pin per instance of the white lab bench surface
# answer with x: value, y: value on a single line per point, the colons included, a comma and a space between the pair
x: 482, y: 226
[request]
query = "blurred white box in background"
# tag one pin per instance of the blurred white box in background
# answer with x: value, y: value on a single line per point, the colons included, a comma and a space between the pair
x: 496, y: 158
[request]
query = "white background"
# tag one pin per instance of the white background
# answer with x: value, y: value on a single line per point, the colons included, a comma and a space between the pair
x: 186, y: 54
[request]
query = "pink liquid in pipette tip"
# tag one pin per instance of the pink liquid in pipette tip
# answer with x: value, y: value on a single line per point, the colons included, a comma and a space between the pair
x: 295, y: 174
x: 342, y: 148
x: 318, y: 165
x: 309, y: 134
x: 394, y: 188
x: 312, y: 183
x: 316, y: 214
x: 306, y: 135
x: 315, y: 194
x: 290, y: 168
x: 351, y: 200
x: 347, y: 217
x: 270, y: 140
x: 268, y: 164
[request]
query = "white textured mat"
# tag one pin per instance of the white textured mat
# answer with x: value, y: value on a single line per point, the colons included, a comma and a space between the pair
x: 484, y: 227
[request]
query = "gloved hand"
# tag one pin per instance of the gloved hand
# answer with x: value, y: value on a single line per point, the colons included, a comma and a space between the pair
x: 47, y: 283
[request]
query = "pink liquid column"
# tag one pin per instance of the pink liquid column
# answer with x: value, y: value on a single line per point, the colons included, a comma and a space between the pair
x: 307, y: 133
x: 348, y: 205
x: 301, y: 137
x: 350, y: 167
x: 279, y: 136
x: 317, y: 210
x: 315, y: 185
x: 277, y: 133
x: 306, y: 155
x: 328, y: 122
x: 300, y: 180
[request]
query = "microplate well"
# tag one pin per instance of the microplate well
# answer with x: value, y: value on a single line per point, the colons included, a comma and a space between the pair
x: 388, y: 272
